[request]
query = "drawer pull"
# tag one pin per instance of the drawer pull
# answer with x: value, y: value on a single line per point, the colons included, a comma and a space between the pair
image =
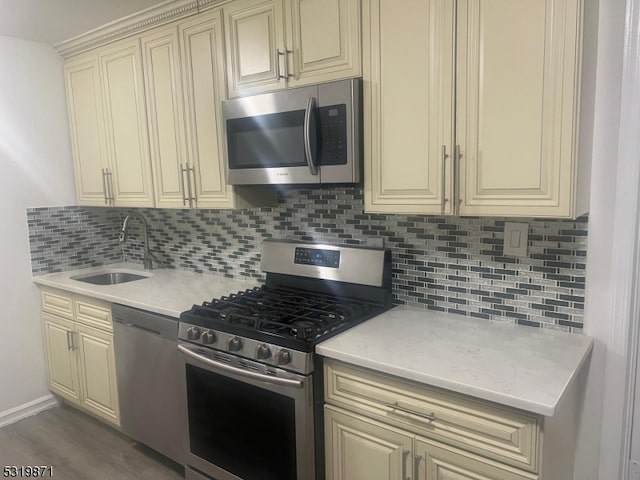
x: 394, y: 406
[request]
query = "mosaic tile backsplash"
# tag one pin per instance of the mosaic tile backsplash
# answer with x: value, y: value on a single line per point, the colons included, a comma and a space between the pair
x: 452, y: 264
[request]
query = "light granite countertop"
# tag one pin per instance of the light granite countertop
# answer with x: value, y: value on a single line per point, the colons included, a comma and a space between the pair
x: 165, y: 291
x: 517, y: 366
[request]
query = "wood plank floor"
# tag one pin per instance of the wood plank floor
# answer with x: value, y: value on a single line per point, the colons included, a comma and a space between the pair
x: 79, y: 447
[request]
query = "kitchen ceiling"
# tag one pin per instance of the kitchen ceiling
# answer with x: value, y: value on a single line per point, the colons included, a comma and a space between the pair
x: 52, y: 21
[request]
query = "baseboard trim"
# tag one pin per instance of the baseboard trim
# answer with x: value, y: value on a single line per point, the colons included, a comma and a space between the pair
x: 27, y: 409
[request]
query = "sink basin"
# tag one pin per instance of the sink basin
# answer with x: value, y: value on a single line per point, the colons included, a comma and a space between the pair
x: 109, y: 278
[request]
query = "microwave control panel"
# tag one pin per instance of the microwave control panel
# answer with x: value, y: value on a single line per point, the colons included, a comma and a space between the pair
x: 317, y: 257
x: 333, y: 135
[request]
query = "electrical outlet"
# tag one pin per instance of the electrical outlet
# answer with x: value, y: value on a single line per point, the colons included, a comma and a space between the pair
x: 377, y: 242
x: 516, y: 238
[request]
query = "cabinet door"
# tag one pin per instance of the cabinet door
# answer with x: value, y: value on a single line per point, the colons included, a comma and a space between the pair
x: 408, y: 87
x: 86, y: 122
x: 255, y: 48
x: 516, y: 106
x: 127, y: 137
x: 97, y: 373
x: 203, y: 77
x: 161, y: 59
x: 361, y: 449
x: 61, y: 358
x: 438, y: 461
x: 324, y: 39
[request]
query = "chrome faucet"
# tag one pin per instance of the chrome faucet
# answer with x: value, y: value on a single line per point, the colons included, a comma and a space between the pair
x: 147, y: 260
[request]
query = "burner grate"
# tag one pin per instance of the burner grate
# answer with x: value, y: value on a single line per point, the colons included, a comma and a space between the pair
x: 285, y: 311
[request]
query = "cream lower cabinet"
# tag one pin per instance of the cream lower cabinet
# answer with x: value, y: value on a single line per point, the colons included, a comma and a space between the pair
x: 504, y: 140
x: 275, y: 44
x: 105, y: 99
x: 80, y: 352
x: 363, y: 449
x: 184, y: 76
x: 381, y: 427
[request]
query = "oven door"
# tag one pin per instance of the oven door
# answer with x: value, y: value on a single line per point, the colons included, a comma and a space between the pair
x: 247, y: 420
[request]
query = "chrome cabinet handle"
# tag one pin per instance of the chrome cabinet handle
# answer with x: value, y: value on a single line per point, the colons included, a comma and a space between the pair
x: 444, y: 178
x: 394, y: 406
x: 187, y: 193
x: 285, y: 54
x: 239, y: 371
x: 109, y: 186
x: 416, y: 466
x: 278, y: 55
x: 307, y: 136
x: 405, y: 455
x: 71, y: 340
x: 456, y: 198
x: 287, y: 75
x: 184, y: 194
x: 190, y: 173
x: 104, y: 186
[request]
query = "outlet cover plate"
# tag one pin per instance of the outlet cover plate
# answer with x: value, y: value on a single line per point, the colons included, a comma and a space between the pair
x: 516, y: 238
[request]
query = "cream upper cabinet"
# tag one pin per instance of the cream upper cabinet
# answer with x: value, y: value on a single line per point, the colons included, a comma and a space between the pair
x: 202, y: 52
x: 408, y: 103
x: 513, y: 150
x: 275, y: 44
x: 126, y: 123
x: 254, y: 32
x: 323, y: 40
x: 163, y: 82
x: 184, y: 79
x: 86, y: 122
x: 516, y: 106
x: 105, y: 98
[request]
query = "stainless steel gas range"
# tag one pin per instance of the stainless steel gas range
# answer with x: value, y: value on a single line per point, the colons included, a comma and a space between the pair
x: 254, y: 386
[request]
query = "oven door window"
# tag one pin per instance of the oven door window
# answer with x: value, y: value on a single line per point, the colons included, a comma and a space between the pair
x: 243, y: 429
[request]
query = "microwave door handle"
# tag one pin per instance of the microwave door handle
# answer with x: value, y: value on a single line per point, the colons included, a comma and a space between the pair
x: 307, y: 136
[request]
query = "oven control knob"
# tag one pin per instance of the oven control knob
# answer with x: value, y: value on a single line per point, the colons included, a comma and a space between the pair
x: 234, y: 344
x: 263, y: 352
x: 208, y: 337
x: 193, y: 333
x: 283, y: 357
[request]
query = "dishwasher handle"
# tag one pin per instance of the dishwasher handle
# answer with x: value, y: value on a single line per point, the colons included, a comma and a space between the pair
x: 125, y: 317
x: 139, y: 327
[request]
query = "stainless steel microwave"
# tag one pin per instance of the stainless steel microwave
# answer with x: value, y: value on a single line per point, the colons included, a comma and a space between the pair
x: 307, y: 135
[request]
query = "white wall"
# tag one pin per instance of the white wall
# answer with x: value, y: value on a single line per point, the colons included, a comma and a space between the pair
x: 599, y: 434
x: 35, y: 170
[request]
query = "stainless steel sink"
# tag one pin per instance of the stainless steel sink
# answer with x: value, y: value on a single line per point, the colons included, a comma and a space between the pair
x: 109, y: 278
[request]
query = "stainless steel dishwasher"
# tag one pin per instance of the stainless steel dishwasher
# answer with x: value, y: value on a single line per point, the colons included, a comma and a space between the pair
x: 151, y: 384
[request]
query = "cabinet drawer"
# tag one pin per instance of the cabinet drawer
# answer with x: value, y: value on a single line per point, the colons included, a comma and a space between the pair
x: 93, y: 313
x: 57, y: 302
x: 504, y: 434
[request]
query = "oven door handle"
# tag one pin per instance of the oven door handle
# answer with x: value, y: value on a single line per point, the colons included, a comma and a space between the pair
x: 239, y: 371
